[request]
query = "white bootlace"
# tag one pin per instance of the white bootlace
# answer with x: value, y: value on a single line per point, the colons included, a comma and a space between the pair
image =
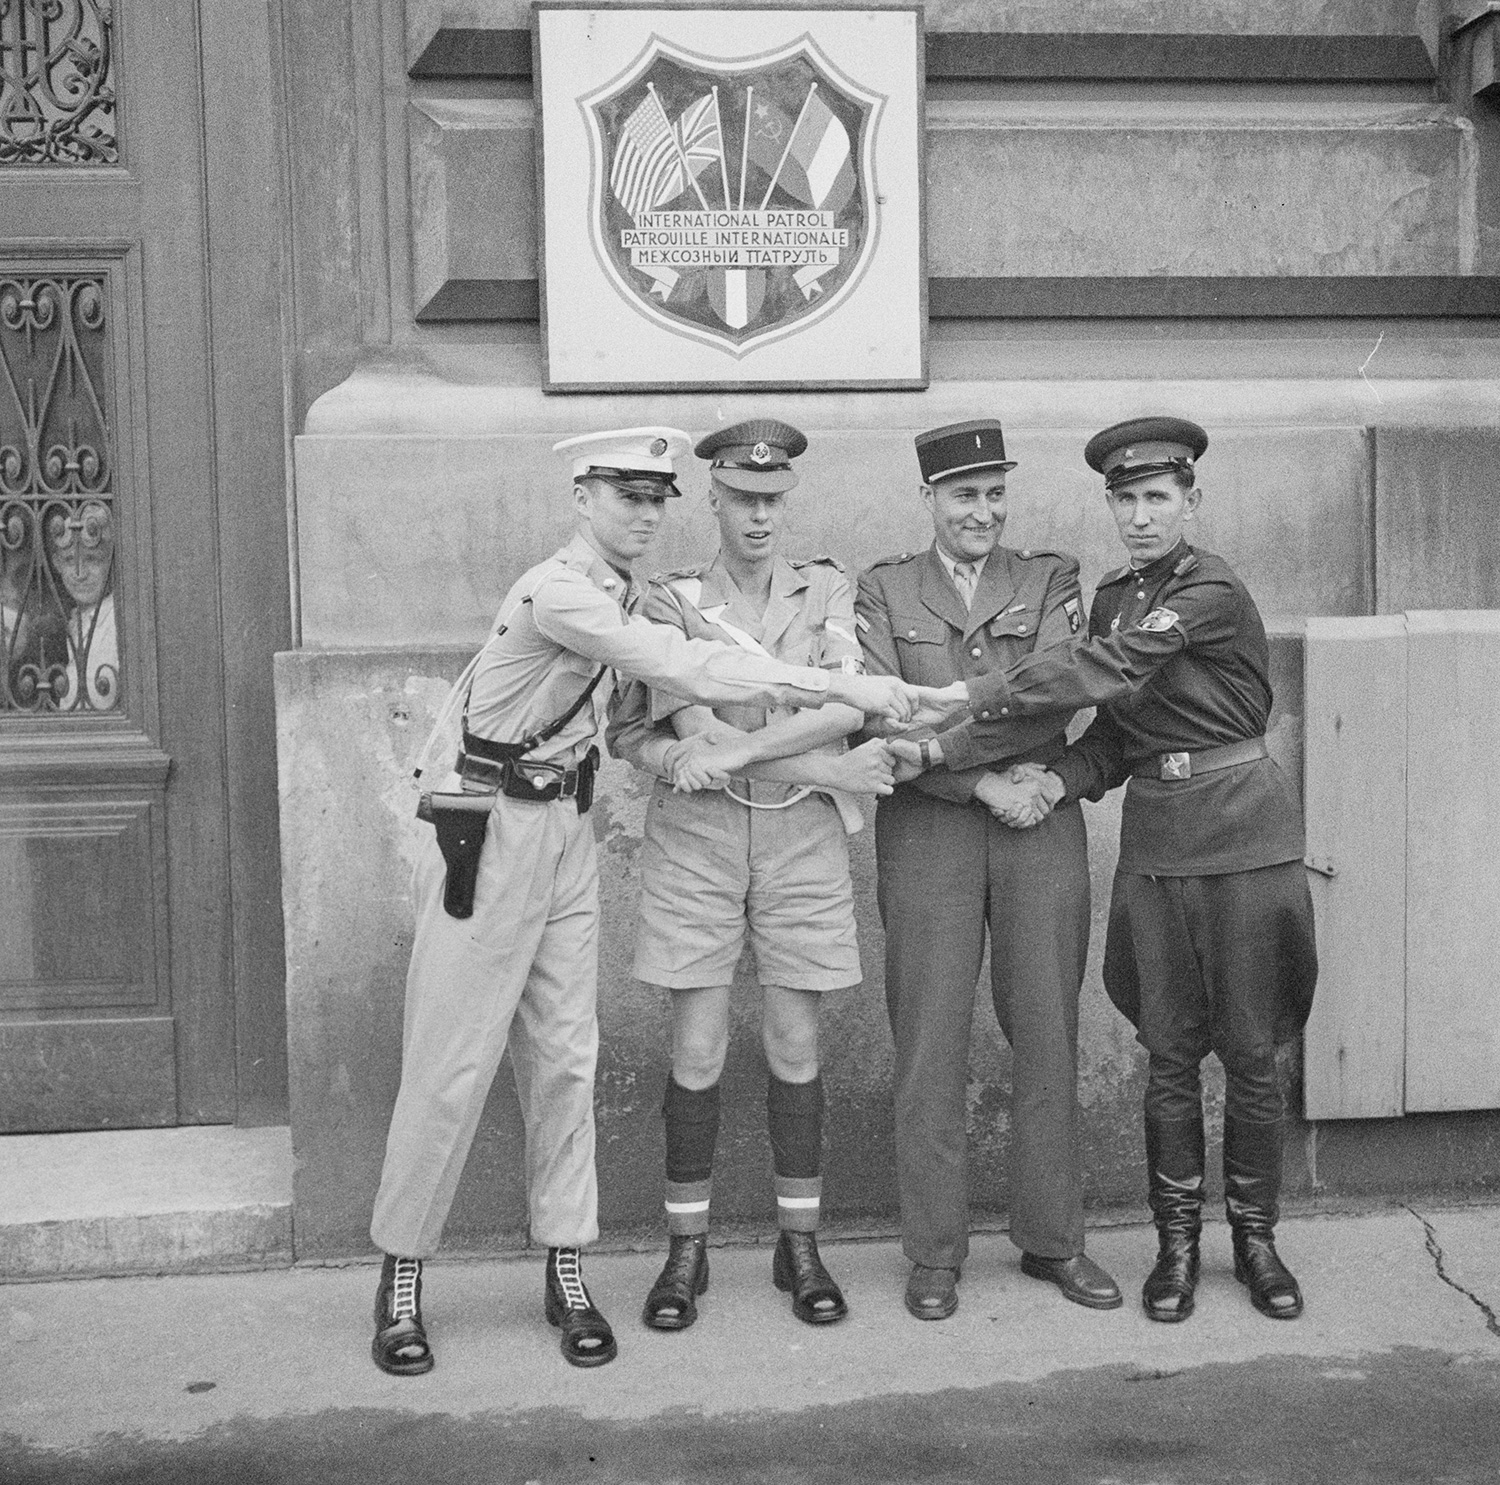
x: 569, y: 1272
x: 404, y: 1289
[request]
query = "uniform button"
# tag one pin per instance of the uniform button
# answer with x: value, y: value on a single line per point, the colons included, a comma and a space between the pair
x: 911, y: 633
x: 976, y: 652
x: 609, y: 582
x: 1020, y: 629
x: 1004, y: 711
x: 1141, y: 594
x: 984, y: 716
x: 1027, y: 552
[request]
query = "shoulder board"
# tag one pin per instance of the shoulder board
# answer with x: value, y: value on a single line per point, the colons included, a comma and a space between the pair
x: 1027, y: 554
x: 822, y: 557
x: 671, y: 577
x: 1187, y: 564
x: 1114, y: 576
x: 892, y: 561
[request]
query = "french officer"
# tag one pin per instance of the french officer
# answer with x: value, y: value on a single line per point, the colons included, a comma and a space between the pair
x: 764, y: 856
x: 506, y: 937
x: 1210, y: 944
x: 949, y: 864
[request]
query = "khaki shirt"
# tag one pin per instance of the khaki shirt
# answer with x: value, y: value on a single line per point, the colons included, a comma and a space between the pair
x: 566, y: 617
x: 808, y: 621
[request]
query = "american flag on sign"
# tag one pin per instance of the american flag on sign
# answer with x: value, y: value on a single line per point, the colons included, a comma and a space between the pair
x: 647, y: 172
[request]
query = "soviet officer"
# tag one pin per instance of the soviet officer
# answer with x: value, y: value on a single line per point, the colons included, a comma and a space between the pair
x: 763, y: 856
x: 949, y: 865
x: 506, y: 938
x: 1210, y: 944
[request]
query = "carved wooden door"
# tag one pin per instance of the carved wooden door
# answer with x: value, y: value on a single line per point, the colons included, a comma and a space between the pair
x: 116, y: 993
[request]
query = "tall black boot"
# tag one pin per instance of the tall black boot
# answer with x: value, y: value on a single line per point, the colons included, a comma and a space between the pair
x: 1252, y: 1186
x: 1174, y: 1161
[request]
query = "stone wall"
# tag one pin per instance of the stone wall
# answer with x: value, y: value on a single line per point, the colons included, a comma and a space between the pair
x: 1297, y: 265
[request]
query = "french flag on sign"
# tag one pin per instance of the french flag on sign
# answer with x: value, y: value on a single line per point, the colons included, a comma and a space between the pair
x: 818, y: 169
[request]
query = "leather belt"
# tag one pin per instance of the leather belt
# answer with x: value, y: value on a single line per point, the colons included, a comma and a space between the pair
x: 534, y: 782
x: 1174, y: 767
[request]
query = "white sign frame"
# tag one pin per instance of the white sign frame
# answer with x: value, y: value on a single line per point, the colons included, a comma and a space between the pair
x: 659, y: 270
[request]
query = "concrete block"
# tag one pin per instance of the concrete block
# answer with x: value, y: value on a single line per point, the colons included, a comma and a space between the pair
x: 145, y: 1201
x: 1437, y: 518
x: 1355, y: 1052
x: 1452, y: 868
x: 473, y: 202
x: 1018, y: 191
x: 350, y: 724
x: 1009, y: 200
x: 412, y: 538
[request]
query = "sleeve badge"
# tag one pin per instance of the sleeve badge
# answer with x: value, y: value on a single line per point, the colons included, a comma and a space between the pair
x: 1159, y: 620
x: 1074, y: 612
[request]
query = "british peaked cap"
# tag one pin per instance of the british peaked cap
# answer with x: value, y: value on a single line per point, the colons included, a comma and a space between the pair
x: 1145, y: 446
x: 628, y: 458
x: 755, y: 455
x: 961, y: 448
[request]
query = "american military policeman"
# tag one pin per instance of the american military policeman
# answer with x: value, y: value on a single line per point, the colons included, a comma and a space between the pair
x: 951, y: 864
x: 764, y: 857
x: 505, y: 951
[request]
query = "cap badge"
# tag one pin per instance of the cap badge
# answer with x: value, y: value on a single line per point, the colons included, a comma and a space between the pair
x: 658, y: 447
x: 761, y: 453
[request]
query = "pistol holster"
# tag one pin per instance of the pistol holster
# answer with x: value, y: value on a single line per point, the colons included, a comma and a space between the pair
x: 460, y: 821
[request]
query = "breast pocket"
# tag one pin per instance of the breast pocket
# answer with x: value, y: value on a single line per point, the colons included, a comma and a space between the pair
x: 1018, y: 627
x: 922, y: 647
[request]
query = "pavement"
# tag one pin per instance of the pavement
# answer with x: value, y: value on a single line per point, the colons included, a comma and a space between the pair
x: 264, y: 1378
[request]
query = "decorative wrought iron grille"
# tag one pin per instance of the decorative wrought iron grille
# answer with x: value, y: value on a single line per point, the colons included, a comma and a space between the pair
x: 57, y: 97
x: 59, y: 649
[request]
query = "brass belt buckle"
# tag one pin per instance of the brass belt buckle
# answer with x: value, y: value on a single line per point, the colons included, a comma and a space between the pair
x: 1176, y: 766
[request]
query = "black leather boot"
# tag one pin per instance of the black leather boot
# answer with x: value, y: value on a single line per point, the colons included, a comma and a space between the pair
x: 796, y: 1269
x: 1174, y: 1162
x: 1252, y: 1185
x: 672, y: 1302
x: 400, y: 1346
x: 587, y: 1339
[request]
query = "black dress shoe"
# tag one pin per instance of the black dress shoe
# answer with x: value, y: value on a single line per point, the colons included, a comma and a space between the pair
x: 797, y: 1269
x: 587, y: 1339
x: 1079, y: 1278
x: 671, y: 1302
x: 400, y: 1345
x: 1273, y: 1290
x: 932, y: 1293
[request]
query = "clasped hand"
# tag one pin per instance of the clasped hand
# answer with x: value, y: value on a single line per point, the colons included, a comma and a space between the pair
x: 1023, y: 796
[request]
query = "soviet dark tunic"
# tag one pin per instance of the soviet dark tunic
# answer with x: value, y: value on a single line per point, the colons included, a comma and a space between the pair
x: 1176, y: 660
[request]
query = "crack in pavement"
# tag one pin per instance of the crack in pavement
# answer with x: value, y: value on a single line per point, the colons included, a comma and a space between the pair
x: 1491, y: 1320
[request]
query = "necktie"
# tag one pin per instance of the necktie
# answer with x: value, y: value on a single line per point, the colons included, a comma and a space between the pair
x: 967, y: 580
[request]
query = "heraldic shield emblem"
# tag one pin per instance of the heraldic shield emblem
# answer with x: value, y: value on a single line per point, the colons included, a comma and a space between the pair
x: 733, y: 200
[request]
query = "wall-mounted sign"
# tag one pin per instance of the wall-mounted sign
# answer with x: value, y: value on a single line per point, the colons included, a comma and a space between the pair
x: 731, y: 197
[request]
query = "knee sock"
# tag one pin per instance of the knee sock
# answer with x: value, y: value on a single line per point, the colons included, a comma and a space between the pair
x: 795, y: 1114
x: 692, y: 1132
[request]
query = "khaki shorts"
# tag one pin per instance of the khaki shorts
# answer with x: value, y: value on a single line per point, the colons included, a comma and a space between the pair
x: 711, y: 869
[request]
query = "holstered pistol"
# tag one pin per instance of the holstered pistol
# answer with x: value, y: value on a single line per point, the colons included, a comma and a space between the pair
x: 460, y: 821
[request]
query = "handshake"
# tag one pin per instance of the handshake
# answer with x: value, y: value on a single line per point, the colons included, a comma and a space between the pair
x: 899, y: 703
x: 1023, y: 796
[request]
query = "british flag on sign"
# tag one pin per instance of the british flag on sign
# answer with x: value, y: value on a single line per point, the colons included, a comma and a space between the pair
x: 734, y: 197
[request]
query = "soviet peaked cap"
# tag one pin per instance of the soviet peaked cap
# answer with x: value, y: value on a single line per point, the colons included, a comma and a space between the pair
x: 638, y: 461
x: 1141, y: 447
x: 960, y: 448
x: 755, y: 455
